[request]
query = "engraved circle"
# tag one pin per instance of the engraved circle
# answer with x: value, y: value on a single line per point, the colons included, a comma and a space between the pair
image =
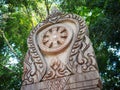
x: 55, y: 38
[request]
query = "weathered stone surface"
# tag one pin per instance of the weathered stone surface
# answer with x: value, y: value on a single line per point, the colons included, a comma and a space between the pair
x: 60, y: 56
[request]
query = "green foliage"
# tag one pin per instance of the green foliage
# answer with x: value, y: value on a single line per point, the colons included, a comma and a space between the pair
x: 18, y: 17
x: 18, y: 25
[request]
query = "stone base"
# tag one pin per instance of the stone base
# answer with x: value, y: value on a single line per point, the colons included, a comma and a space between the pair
x: 81, y: 81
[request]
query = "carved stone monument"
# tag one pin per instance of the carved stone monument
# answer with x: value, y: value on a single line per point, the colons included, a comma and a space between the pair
x: 60, y: 56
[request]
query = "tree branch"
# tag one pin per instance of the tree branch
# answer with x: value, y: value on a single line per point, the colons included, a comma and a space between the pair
x: 6, y: 40
x: 47, y: 7
x: 7, y: 68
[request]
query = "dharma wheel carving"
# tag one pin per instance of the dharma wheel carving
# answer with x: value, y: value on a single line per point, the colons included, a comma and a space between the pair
x: 60, y: 56
x: 55, y: 38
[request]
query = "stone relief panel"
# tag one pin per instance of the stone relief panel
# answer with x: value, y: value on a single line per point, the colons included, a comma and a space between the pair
x: 59, y: 49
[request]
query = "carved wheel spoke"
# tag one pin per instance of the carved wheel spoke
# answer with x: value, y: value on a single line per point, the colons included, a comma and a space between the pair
x: 49, y: 44
x: 54, y: 30
x: 48, y: 34
x: 61, y: 29
x: 55, y: 44
x: 61, y: 40
x: 45, y: 40
x: 64, y: 35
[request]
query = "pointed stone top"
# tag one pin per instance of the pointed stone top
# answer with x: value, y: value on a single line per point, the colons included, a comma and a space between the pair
x: 54, y: 10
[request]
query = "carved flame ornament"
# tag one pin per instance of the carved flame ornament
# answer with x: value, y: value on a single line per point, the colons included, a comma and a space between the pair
x: 60, y: 56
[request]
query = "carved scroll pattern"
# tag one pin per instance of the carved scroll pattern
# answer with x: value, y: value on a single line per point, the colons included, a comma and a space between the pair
x: 31, y: 75
x: 34, y: 61
x: 87, y: 61
x: 35, y: 65
x: 86, y: 58
x: 77, y: 44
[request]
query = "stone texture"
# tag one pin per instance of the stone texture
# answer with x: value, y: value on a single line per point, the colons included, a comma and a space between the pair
x: 60, y: 56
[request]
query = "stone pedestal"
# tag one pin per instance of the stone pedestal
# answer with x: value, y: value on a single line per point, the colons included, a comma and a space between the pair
x: 60, y: 56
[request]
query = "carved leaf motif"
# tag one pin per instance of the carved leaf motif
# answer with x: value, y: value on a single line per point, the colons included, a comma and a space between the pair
x: 57, y: 70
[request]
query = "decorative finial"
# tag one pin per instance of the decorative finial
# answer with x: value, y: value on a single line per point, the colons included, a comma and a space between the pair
x: 54, y: 9
x: 54, y: 12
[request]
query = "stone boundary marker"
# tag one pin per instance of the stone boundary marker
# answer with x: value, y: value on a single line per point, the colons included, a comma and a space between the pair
x: 60, y: 56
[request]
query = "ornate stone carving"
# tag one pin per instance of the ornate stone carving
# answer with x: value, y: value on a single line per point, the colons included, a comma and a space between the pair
x: 60, y: 56
x: 55, y: 38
